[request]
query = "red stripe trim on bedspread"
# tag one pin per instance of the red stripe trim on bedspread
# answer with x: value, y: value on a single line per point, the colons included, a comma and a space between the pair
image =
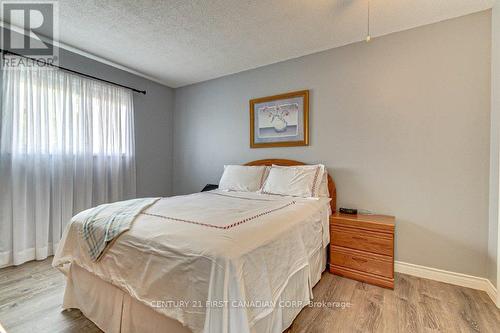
x: 248, y: 219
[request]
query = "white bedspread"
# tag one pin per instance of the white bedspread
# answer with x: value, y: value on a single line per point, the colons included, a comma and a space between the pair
x: 216, y: 261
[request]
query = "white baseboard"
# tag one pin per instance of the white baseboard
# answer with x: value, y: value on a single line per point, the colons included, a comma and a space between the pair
x: 492, y: 292
x: 441, y: 275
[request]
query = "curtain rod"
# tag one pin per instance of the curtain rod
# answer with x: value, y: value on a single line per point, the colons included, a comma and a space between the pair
x: 75, y: 72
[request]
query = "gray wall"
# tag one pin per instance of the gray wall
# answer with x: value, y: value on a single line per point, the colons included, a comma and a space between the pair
x: 153, y: 122
x: 402, y: 123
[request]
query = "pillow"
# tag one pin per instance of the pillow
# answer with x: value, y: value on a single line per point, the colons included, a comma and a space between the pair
x: 323, y: 191
x: 242, y: 178
x: 323, y: 187
x: 299, y: 181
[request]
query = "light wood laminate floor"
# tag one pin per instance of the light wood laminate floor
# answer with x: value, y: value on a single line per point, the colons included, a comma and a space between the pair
x: 31, y: 296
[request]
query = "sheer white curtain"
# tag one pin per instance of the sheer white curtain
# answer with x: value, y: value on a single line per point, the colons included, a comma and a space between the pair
x: 66, y: 144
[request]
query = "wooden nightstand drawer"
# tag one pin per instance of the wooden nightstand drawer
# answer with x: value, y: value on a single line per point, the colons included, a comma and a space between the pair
x: 362, y: 248
x: 375, y: 242
x: 362, y: 261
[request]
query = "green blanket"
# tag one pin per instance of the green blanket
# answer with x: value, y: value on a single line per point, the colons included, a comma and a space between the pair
x: 102, y: 224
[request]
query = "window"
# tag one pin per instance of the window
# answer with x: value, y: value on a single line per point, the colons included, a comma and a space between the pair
x: 53, y: 112
x: 67, y: 144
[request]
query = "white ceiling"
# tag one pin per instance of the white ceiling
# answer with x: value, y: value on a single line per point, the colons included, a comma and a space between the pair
x: 179, y: 42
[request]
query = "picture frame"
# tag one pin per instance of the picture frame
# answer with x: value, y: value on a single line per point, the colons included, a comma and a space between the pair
x: 280, y: 120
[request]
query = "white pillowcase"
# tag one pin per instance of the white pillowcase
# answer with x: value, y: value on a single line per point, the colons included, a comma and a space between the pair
x: 323, y: 187
x: 323, y: 191
x: 299, y: 181
x: 242, y: 178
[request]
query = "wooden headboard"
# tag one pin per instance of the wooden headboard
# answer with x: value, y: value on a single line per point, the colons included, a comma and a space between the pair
x: 331, y: 184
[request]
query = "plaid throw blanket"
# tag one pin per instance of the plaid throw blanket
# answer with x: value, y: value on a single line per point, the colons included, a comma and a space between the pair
x: 102, y: 224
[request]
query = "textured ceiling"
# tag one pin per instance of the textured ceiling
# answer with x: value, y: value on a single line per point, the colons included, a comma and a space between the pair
x: 179, y: 42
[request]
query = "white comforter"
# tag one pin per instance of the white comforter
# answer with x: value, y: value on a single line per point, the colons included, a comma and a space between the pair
x: 215, y: 261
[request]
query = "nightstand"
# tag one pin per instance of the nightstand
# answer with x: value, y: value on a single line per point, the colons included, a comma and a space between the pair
x: 362, y: 248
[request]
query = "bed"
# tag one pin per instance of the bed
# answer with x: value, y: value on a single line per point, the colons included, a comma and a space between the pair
x: 207, y: 262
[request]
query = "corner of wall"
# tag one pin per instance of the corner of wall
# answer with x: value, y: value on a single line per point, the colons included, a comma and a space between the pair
x: 494, y: 225
x: 172, y: 141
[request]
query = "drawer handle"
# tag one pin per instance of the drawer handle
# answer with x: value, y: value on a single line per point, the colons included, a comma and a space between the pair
x: 360, y: 260
x: 362, y: 239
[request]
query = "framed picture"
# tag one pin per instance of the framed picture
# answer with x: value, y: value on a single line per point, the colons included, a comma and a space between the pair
x: 280, y: 120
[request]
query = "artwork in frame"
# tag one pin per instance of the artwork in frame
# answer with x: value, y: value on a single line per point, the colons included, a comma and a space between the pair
x: 280, y: 120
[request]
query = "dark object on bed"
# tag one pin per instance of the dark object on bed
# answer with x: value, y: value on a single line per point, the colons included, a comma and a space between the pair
x: 210, y: 187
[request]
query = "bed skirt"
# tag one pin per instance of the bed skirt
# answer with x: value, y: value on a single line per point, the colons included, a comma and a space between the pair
x: 114, y: 310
